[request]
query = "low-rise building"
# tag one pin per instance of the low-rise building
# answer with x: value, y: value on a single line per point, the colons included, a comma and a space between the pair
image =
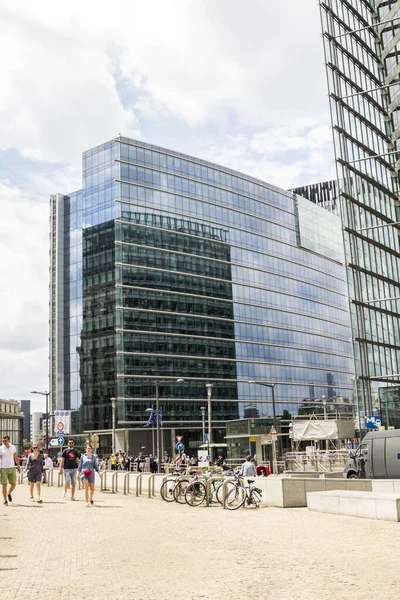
x: 11, y: 422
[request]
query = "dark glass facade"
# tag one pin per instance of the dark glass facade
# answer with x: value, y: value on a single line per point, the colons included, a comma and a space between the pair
x: 178, y: 268
x: 361, y: 49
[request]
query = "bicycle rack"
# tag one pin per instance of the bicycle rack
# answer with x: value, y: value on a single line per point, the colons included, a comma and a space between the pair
x: 103, y: 481
x: 225, y: 490
x: 208, y: 487
x: 20, y: 476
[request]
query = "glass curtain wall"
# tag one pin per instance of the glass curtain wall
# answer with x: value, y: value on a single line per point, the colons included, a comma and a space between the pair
x: 360, y: 41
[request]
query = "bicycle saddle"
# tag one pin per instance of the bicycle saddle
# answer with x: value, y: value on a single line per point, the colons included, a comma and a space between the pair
x: 250, y: 481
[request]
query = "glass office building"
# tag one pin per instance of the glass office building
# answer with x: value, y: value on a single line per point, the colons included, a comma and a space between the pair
x: 167, y: 267
x: 361, y: 41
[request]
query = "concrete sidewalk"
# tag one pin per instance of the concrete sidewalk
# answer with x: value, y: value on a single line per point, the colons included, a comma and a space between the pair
x: 131, y: 548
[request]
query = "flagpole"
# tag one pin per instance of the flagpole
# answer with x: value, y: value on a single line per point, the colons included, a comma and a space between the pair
x: 160, y: 460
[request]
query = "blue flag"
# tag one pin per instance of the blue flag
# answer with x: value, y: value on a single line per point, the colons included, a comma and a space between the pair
x: 152, y: 418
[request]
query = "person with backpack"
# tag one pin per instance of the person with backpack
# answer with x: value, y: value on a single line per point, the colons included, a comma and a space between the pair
x: 35, y: 466
x: 87, y: 467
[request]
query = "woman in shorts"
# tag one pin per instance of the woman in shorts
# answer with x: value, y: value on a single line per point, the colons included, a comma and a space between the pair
x: 87, y: 467
x: 34, y: 466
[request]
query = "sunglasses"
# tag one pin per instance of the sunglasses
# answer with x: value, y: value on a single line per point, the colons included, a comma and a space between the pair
x: 34, y: 447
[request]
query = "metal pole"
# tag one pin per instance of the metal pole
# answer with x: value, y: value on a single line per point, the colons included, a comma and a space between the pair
x: 203, y: 422
x: 47, y: 421
x: 209, y: 387
x: 276, y: 445
x: 158, y: 420
x: 161, y: 458
x: 152, y: 436
x: 113, y: 424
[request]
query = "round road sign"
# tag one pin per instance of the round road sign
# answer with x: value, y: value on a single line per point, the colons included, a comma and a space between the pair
x: 179, y: 446
x: 95, y: 438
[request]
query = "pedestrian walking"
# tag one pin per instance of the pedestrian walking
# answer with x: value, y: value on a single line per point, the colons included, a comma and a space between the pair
x: 88, y: 465
x: 34, y: 467
x: 9, y: 461
x: 69, y: 463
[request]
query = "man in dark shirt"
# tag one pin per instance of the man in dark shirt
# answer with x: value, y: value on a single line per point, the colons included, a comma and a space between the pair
x: 69, y: 462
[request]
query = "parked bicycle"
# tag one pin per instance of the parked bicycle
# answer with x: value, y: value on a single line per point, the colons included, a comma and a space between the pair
x: 240, y: 495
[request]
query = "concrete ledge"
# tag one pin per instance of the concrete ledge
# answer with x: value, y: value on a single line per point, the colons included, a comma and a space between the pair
x: 289, y: 492
x: 368, y: 505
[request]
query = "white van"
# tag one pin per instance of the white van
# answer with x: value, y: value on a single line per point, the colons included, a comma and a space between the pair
x: 377, y: 457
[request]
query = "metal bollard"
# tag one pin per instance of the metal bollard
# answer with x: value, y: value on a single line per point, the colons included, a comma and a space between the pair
x: 151, y: 483
x: 139, y: 481
x: 60, y: 479
x: 50, y: 477
x: 114, y: 482
x: 225, y: 490
x: 20, y: 476
x: 126, y: 483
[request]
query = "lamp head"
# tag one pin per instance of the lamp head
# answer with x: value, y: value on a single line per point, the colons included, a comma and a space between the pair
x: 209, y: 387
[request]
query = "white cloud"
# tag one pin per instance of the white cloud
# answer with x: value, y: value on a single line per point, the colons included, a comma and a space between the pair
x: 239, y: 83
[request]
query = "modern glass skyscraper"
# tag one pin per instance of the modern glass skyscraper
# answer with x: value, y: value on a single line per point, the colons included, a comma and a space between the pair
x: 169, y: 267
x: 361, y: 40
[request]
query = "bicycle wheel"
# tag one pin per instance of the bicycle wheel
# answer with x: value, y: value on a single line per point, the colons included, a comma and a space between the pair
x: 229, y: 486
x: 180, y: 489
x: 236, y: 498
x: 255, y: 499
x: 195, y: 493
x: 167, y: 490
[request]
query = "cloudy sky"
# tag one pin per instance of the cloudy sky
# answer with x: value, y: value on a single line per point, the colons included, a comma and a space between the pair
x: 238, y: 82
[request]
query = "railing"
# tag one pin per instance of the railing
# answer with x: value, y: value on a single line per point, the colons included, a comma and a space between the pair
x: 320, y: 460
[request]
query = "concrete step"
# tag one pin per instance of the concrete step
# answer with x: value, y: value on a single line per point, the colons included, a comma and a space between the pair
x: 370, y: 505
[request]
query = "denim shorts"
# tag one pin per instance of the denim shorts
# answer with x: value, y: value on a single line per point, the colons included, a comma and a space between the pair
x: 70, y: 476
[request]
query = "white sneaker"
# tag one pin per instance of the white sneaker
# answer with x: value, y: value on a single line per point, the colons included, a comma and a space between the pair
x: 32, y: 499
x: 88, y: 505
x: 64, y: 494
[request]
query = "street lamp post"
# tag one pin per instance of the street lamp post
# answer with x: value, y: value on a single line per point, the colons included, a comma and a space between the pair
x: 203, y: 422
x: 113, y: 403
x: 209, y: 387
x: 277, y: 451
x: 151, y: 410
x: 47, y: 394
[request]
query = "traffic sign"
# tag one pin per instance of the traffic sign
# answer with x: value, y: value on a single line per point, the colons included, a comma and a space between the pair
x: 207, y: 437
x: 60, y: 426
x: 95, y: 445
x: 179, y: 446
x: 54, y: 441
x: 60, y: 441
x: 60, y: 433
x: 179, y: 438
x: 95, y: 438
x: 290, y: 433
x: 373, y: 422
x: 208, y: 457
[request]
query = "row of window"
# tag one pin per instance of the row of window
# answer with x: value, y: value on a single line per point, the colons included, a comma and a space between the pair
x: 196, y: 189
x: 209, y: 172
x: 192, y: 346
x: 237, y: 236
x: 221, y: 289
x: 132, y: 255
x: 158, y: 300
x: 197, y: 209
x: 186, y: 325
x: 201, y: 368
x: 142, y: 235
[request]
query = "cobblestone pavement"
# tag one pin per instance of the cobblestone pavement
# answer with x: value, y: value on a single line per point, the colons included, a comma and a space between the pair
x: 135, y: 548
